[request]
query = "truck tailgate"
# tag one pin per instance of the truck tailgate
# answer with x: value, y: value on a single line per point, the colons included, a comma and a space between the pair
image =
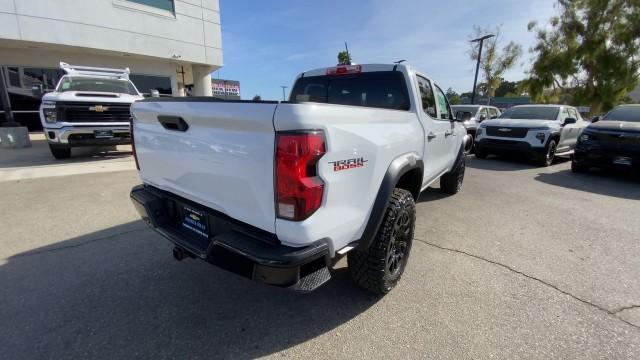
x: 223, y: 160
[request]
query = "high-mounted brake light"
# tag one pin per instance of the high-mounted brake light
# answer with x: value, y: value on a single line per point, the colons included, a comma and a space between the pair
x: 344, y: 69
x: 133, y: 144
x: 298, y: 187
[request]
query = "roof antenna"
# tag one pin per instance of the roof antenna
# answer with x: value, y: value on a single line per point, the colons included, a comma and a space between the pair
x: 399, y: 61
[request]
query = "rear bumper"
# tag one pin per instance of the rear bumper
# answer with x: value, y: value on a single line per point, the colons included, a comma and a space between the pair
x: 85, y: 135
x: 234, y: 246
x: 491, y: 145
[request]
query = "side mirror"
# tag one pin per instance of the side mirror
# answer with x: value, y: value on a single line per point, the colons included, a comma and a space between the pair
x: 37, y: 91
x: 569, y: 120
x: 595, y: 119
x: 482, y: 118
x: 463, y: 116
x: 155, y: 93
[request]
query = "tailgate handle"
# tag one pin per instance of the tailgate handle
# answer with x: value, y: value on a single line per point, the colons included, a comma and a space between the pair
x: 175, y: 123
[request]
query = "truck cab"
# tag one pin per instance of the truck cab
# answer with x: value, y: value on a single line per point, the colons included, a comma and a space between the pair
x: 89, y: 107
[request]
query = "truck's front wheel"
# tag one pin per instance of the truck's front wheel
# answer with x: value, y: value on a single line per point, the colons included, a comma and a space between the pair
x: 60, y: 152
x: 379, y: 268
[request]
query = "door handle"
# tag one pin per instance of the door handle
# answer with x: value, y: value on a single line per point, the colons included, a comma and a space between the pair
x: 448, y: 133
x: 431, y: 135
x: 174, y: 123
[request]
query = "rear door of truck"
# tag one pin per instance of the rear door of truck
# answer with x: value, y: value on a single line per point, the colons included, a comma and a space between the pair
x: 216, y: 154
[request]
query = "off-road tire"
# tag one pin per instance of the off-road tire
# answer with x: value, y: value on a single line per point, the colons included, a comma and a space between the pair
x: 60, y: 152
x: 550, y: 153
x: 451, y: 182
x: 380, y: 267
x: 480, y: 153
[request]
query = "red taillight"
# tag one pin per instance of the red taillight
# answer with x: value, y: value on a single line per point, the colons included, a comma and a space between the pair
x: 344, y: 69
x: 133, y: 144
x: 298, y: 187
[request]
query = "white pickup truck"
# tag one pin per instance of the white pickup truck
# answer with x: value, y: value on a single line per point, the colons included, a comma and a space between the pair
x: 89, y: 107
x: 278, y: 192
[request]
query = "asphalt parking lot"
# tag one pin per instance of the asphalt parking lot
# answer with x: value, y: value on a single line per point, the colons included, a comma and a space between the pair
x: 525, y: 262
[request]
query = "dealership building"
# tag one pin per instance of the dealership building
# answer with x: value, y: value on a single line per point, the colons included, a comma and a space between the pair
x: 169, y: 45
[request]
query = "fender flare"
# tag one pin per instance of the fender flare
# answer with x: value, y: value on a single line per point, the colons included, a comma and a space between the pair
x: 398, y: 167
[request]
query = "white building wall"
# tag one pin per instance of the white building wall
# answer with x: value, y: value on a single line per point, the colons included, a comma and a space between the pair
x: 191, y: 34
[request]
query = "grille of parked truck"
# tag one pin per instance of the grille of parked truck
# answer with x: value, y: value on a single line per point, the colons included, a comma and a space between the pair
x: 279, y: 192
x: 89, y: 107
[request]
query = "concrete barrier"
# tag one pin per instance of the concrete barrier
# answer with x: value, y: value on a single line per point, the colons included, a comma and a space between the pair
x: 14, y: 137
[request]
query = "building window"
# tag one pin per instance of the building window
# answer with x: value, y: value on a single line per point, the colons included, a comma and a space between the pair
x: 146, y: 83
x: 14, y: 77
x: 159, y: 4
x: 48, y: 78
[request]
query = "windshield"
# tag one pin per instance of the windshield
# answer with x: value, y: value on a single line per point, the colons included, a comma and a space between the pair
x: 466, y: 108
x: 69, y: 83
x: 531, y: 113
x: 623, y: 113
x: 380, y: 89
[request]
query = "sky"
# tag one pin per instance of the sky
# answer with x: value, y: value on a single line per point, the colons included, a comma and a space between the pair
x: 267, y: 43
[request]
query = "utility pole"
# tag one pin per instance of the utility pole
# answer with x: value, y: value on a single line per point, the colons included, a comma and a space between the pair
x: 6, y: 104
x: 475, y: 80
x: 283, y: 92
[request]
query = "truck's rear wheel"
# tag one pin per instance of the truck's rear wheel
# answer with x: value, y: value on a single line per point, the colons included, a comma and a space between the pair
x: 60, y: 152
x: 379, y: 268
x: 451, y: 182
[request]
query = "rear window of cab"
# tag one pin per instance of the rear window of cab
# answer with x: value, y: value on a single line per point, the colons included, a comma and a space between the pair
x: 379, y: 89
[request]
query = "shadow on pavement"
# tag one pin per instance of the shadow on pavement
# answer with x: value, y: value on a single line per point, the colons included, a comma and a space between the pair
x: 39, y: 155
x: 118, y: 293
x: 431, y: 194
x: 607, y: 183
x: 506, y: 163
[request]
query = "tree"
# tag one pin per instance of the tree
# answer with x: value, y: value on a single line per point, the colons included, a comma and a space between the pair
x: 257, y: 98
x: 344, y: 58
x: 453, y: 97
x: 510, y: 88
x: 589, y: 53
x: 495, y: 61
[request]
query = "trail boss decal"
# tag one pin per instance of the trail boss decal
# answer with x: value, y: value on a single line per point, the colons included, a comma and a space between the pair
x: 348, y: 164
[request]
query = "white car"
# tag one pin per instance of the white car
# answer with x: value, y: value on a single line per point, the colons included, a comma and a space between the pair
x: 89, y: 107
x: 278, y: 192
x: 539, y: 132
x: 472, y: 115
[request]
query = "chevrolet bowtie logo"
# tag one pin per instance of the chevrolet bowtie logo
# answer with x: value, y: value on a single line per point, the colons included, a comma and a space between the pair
x: 194, y: 217
x: 504, y: 129
x: 99, y: 108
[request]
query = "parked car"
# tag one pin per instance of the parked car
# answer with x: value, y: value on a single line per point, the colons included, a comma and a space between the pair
x: 610, y: 141
x: 472, y: 115
x: 278, y: 192
x: 89, y: 107
x: 539, y: 132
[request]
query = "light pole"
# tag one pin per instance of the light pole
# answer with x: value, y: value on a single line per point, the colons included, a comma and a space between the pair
x: 475, y: 80
x: 283, y: 92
